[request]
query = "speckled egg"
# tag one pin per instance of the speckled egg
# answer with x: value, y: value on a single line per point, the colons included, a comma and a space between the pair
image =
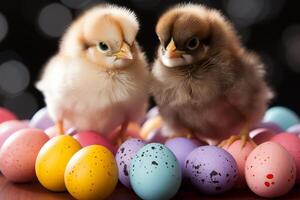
x: 6, y: 115
x: 181, y: 147
x: 124, y: 156
x: 8, y: 128
x: 240, y: 154
x: 291, y: 143
x: 155, y: 173
x: 270, y: 170
x: 18, y: 154
x: 211, y: 169
x: 52, y: 160
x: 281, y: 116
x: 91, y: 173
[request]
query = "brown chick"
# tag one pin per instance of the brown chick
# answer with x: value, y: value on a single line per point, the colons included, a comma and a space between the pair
x: 205, y: 82
x: 99, y: 78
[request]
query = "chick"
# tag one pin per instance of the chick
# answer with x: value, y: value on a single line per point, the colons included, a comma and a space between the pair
x: 205, y: 82
x: 98, y: 80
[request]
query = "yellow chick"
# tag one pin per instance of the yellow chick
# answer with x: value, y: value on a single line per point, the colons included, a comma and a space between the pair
x: 98, y: 79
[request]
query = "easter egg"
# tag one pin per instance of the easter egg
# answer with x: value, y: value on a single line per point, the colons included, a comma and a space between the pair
x: 281, y: 116
x: 294, y: 129
x: 270, y: 126
x: 261, y: 135
x: 52, y: 160
x: 124, y: 156
x: 10, y: 127
x: 155, y: 172
x: 87, y: 138
x: 52, y: 131
x: 153, y: 112
x: 133, y: 131
x: 270, y: 170
x: 291, y: 143
x: 240, y: 154
x: 211, y: 169
x: 18, y: 154
x: 91, y: 173
x: 181, y: 147
x: 156, y: 136
x: 6, y: 115
x: 41, y: 119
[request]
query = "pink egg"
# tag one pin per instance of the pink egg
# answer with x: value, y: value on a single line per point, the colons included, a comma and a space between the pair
x: 240, y: 154
x: 6, y: 115
x: 270, y: 170
x: 87, y: 138
x: 10, y: 127
x: 291, y: 143
x: 261, y: 135
x: 19, y: 152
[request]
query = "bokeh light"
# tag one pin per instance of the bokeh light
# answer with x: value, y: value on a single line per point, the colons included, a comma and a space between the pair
x: 24, y: 105
x: 3, y: 27
x: 14, y: 77
x: 247, y: 12
x: 76, y: 4
x: 291, y: 43
x: 54, y: 19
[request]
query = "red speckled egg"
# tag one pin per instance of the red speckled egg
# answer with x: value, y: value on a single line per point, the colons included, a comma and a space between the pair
x: 240, y: 154
x: 6, y: 115
x: 270, y: 170
x: 291, y: 143
x: 19, y: 152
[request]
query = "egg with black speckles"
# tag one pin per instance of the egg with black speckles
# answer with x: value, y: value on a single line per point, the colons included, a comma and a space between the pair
x: 211, y: 169
x: 270, y: 170
x: 155, y: 172
x: 124, y: 156
x: 91, y: 173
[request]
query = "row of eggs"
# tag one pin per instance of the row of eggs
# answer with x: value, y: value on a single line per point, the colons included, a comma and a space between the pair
x: 263, y: 133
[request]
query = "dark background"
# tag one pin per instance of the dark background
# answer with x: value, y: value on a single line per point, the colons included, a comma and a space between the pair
x: 30, y: 32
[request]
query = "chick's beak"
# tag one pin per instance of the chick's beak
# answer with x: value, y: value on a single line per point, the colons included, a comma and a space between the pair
x: 172, y: 52
x: 124, y: 52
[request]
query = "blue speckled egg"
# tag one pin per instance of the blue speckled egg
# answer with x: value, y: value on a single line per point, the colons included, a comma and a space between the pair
x: 155, y: 173
x: 281, y: 116
x: 124, y: 156
x: 211, y: 169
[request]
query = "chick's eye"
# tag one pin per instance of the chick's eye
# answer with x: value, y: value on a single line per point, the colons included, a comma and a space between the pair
x: 192, y: 44
x: 103, y: 47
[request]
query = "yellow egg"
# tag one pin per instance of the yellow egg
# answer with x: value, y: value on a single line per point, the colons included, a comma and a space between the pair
x: 92, y: 173
x: 52, y: 160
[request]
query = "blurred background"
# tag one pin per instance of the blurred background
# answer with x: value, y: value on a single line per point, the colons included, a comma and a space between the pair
x: 30, y: 31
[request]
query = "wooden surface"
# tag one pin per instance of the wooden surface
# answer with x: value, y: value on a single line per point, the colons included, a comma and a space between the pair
x: 34, y: 191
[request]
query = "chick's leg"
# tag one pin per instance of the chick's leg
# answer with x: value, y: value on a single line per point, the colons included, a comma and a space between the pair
x: 60, y: 127
x: 121, y: 133
x: 243, y: 136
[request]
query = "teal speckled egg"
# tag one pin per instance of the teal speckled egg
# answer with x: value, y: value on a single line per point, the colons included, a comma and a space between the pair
x: 155, y: 173
x: 281, y: 116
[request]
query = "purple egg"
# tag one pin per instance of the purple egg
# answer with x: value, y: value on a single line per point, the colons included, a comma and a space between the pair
x: 41, y: 119
x: 294, y: 129
x: 269, y: 125
x: 181, y: 147
x: 153, y: 112
x: 211, y: 169
x: 124, y: 156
